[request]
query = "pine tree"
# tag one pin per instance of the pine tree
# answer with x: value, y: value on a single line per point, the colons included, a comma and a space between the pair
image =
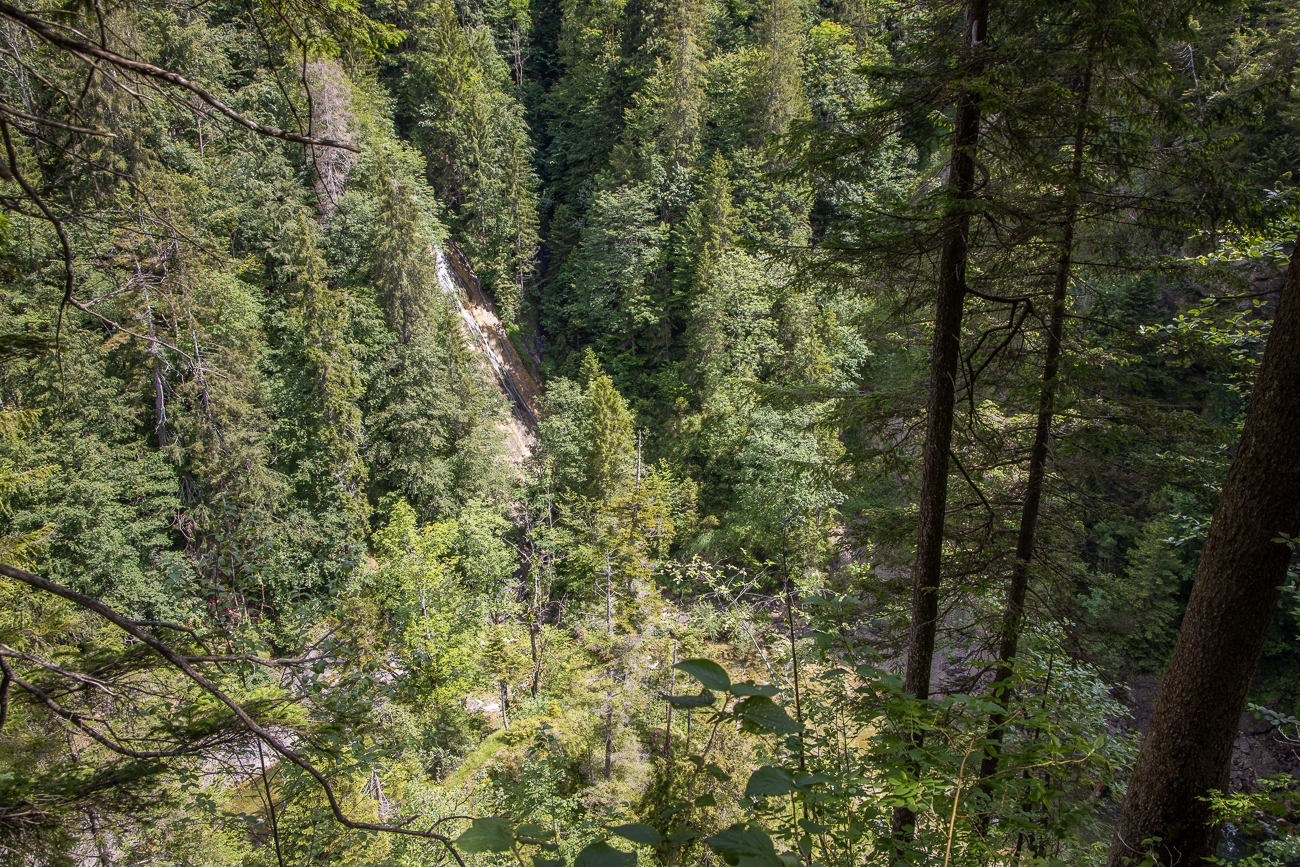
x: 612, y: 301
x: 456, y: 91
x: 337, y: 385
x: 945, y: 356
x: 684, y: 73
x: 780, y: 34
x: 1150, y: 595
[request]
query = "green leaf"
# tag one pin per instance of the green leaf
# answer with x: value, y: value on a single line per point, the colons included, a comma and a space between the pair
x: 601, y: 854
x: 704, y: 699
x: 492, y: 834
x: 637, y: 833
x: 743, y: 841
x: 680, y: 836
x: 717, y: 773
x: 537, y: 832
x: 674, y: 809
x: 706, y: 801
x: 707, y: 672
x: 811, y: 780
x: 750, y: 688
x: 768, y: 780
x: 539, y: 861
x: 761, y: 714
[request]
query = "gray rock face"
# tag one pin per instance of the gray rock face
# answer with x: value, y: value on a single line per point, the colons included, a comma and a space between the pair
x: 1253, y: 725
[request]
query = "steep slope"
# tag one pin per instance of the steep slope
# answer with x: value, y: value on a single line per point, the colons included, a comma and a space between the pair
x: 488, y: 336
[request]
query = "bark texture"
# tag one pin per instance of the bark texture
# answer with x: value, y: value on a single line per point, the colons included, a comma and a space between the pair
x: 945, y: 358
x: 1189, y: 744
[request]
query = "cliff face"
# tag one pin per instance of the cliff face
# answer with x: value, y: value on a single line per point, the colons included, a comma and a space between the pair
x: 488, y: 336
x: 333, y: 116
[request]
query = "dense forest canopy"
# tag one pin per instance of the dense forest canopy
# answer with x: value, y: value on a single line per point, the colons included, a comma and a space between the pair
x: 600, y: 432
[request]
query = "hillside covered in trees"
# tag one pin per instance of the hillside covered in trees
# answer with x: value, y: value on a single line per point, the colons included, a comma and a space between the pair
x: 680, y: 432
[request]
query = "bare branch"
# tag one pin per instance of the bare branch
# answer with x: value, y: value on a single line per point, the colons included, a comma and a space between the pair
x: 181, y: 664
x: 44, y: 121
x: 998, y: 299
x: 85, y: 308
x: 58, y: 228
x: 6, y: 650
x: 85, y: 50
x: 256, y: 660
x: 6, y: 678
x: 76, y: 720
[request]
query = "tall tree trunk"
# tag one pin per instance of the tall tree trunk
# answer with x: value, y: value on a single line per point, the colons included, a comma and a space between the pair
x: 101, y: 843
x: 159, y: 384
x: 270, y: 806
x: 159, y: 404
x: 609, y: 737
x: 668, y: 724
x: 1013, y: 616
x: 534, y: 628
x: 945, y: 356
x: 1238, y: 582
x: 609, y: 597
x: 609, y: 672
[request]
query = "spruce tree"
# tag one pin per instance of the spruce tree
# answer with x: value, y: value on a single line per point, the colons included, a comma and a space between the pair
x: 1186, y: 753
x: 608, y: 434
x: 945, y: 357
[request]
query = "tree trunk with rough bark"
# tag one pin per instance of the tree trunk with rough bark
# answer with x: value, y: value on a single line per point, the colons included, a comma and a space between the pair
x: 945, y: 357
x: 1188, y: 746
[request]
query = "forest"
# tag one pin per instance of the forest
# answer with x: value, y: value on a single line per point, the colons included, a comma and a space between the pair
x: 590, y: 433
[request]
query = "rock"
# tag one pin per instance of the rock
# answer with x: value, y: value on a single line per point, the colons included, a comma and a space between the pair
x: 1263, y: 762
x: 1253, y: 725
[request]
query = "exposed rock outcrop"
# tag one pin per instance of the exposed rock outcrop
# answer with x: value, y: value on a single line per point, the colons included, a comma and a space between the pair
x: 489, y: 337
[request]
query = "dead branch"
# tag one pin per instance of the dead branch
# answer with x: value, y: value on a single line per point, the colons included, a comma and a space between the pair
x: 178, y: 662
x: 84, y: 50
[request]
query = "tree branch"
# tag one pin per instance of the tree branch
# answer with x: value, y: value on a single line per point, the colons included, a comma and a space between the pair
x: 83, y: 50
x: 182, y: 665
x: 44, y: 121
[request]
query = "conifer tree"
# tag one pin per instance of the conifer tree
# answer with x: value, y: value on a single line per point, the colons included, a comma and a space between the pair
x: 403, y: 258
x: 1166, y: 812
x: 780, y: 40
x: 608, y: 433
x: 471, y: 129
x: 337, y: 385
x: 684, y: 75
x: 944, y: 360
